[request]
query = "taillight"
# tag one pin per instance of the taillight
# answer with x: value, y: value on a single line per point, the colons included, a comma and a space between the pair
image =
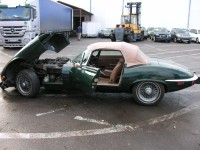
x: 180, y: 83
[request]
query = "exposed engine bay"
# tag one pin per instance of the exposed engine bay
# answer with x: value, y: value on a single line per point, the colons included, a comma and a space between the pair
x: 49, y: 70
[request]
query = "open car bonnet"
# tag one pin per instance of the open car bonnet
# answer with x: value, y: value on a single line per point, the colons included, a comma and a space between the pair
x: 51, y: 41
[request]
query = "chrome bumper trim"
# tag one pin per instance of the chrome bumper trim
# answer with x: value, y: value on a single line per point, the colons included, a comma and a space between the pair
x: 195, y: 77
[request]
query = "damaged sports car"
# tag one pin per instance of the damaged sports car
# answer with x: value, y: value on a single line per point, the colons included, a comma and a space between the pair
x: 102, y: 67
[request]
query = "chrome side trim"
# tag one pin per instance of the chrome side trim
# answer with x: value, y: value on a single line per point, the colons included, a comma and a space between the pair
x: 195, y: 77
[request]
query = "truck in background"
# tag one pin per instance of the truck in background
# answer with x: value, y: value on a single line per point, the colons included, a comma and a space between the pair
x: 90, y: 29
x: 20, y: 24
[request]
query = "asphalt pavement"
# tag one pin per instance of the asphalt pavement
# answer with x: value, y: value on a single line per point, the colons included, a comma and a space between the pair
x: 73, y: 120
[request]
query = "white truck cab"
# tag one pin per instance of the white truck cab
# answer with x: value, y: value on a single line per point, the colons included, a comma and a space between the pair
x: 20, y: 24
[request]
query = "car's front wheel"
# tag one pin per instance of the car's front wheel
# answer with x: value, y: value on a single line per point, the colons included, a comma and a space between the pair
x: 27, y: 83
x: 148, y: 92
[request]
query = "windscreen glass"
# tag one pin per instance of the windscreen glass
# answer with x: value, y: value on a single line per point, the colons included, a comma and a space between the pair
x: 19, y: 13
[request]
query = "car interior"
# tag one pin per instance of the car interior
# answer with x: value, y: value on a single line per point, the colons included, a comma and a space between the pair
x: 111, y: 65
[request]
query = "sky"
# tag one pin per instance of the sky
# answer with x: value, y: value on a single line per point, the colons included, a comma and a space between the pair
x: 165, y: 13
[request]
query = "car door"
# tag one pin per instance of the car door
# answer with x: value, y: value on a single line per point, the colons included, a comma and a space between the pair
x: 86, y: 78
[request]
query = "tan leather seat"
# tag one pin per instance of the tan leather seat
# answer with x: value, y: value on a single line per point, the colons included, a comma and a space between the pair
x: 116, y: 71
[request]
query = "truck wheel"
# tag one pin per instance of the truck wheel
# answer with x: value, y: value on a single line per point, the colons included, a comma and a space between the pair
x: 27, y: 83
x: 112, y: 37
x: 148, y: 93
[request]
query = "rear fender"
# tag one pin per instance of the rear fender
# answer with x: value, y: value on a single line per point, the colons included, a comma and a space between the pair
x: 157, y: 81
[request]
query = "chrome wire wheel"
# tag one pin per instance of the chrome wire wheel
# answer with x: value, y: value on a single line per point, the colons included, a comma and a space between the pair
x: 24, y: 84
x: 148, y: 93
x: 28, y: 83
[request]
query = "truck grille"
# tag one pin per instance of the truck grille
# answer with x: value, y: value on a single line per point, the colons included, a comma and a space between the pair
x: 10, y: 31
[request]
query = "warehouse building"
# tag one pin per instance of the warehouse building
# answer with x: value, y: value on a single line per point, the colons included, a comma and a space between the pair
x: 164, y: 13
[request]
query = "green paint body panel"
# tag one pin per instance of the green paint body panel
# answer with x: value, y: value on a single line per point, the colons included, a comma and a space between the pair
x: 155, y: 72
x: 79, y: 78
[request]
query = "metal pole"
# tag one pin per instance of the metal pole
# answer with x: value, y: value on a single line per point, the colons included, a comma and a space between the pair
x: 188, y: 23
x: 90, y: 6
x: 122, y: 9
x: 80, y: 17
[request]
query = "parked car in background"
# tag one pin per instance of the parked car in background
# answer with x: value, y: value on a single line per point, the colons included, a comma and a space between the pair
x: 149, y: 32
x: 105, y: 32
x: 101, y: 67
x: 161, y: 34
x: 180, y: 35
x: 195, y: 35
x: 145, y: 32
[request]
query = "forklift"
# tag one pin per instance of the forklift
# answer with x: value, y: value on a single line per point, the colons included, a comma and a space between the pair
x: 130, y: 28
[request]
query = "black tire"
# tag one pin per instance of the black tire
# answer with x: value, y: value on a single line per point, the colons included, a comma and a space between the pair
x: 189, y: 42
x: 27, y: 83
x: 197, y: 40
x: 148, y: 93
x: 112, y: 37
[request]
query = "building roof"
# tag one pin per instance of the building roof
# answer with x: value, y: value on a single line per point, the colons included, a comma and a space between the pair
x: 76, y: 9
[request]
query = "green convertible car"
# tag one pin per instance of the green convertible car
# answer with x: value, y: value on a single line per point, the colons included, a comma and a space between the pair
x: 102, y: 67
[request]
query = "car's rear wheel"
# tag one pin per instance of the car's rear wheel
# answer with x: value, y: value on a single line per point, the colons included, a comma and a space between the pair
x: 197, y: 40
x: 27, y: 83
x: 148, y: 92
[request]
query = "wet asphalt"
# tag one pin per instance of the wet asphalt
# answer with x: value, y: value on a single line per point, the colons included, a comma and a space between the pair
x: 73, y: 120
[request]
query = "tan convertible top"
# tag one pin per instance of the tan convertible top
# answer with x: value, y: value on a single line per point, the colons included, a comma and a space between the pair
x: 132, y: 54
